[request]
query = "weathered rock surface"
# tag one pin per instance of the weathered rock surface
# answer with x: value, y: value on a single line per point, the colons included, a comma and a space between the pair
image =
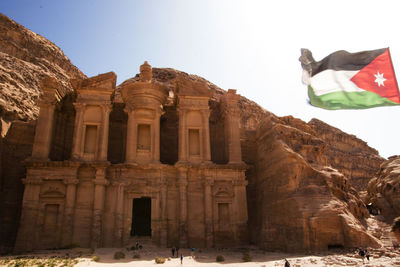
x: 296, y: 201
x: 25, y: 59
x: 384, y: 189
x: 302, y: 204
x: 348, y: 154
x: 15, y: 148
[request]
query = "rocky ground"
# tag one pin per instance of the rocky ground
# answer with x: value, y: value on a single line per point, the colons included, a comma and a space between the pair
x: 203, y: 257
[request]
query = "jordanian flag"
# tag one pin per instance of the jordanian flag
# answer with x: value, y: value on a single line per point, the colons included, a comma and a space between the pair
x: 345, y: 80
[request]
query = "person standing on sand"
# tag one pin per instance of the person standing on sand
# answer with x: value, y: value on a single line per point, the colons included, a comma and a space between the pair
x: 177, y: 252
x: 181, y: 258
x: 361, y: 252
x: 173, y: 251
x: 396, y: 228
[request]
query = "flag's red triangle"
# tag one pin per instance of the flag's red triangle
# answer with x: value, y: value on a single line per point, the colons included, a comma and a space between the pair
x: 379, y: 77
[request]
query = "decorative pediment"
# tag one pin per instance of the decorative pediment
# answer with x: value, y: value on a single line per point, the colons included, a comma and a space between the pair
x: 223, y: 191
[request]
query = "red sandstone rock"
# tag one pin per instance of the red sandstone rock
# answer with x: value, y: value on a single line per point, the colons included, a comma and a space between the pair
x: 25, y: 59
x: 301, y: 203
x: 348, y: 154
x: 296, y: 200
x: 384, y: 189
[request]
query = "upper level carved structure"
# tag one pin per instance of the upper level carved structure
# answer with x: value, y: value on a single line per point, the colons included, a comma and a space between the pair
x: 148, y: 123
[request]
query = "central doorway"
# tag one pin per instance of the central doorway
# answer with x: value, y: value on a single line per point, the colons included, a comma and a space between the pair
x: 141, y: 217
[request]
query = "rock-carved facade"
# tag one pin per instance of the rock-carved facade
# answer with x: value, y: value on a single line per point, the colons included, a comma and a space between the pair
x: 109, y: 164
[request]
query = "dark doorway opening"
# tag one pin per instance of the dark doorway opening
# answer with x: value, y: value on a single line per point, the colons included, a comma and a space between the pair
x: 141, y: 217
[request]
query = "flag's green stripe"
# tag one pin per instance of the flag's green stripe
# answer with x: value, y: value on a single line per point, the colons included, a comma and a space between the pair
x: 348, y: 100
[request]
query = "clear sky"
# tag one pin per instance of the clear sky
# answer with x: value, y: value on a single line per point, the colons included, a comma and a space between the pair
x: 251, y: 46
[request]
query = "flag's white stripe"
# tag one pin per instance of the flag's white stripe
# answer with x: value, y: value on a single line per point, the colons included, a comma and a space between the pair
x: 329, y: 81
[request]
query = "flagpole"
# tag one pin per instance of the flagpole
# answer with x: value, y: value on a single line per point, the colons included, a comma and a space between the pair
x: 391, y: 61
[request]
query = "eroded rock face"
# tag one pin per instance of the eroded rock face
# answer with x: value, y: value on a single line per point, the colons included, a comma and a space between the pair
x: 15, y: 147
x: 296, y: 201
x: 384, y: 189
x: 348, y: 154
x: 302, y: 204
x: 25, y: 59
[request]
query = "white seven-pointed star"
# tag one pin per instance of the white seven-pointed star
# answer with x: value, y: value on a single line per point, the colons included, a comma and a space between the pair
x: 379, y: 79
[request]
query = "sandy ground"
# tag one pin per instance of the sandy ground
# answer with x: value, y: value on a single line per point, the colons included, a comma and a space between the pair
x: 207, y: 257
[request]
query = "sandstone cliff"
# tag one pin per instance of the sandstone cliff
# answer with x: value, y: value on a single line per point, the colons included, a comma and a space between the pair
x: 296, y: 201
x: 301, y: 203
x: 384, y: 189
x: 348, y: 154
x: 25, y: 59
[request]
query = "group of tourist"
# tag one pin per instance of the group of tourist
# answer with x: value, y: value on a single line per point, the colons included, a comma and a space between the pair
x: 364, y: 253
x: 175, y: 250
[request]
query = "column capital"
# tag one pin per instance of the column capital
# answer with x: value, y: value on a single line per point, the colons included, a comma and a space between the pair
x: 79, y: 106
x: 182, y: 172
x: 209, y: 181
x: 70, y: 180
x: 163, y: 182
x: 129, y: 109
x: 181, y: 111
x: 205, y: 112
x: 46, y: 103
x: 106, y: 107
x: 103, y: 182
x: 118, y: 184
x: 100, y: 172
x: 182, y: 182
x: 231, y: 109
x: 159, y: 111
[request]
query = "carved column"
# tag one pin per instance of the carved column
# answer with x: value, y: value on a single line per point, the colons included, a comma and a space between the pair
x: 131, y: 136
x: 77, y: 140
x: 182, y: 136
x: 232, y: 122
x: 163, y: 206
x: 182, y: 183
x: 26, y: 238
x: 156, y: 127
x: 240, y: 206
x: 119, y: 216
x: 98, y: 207
x: 103, y: 148
x: 68, y: 224
x: 44, y: 131
x: 208, y: 211
x: 206, y: 135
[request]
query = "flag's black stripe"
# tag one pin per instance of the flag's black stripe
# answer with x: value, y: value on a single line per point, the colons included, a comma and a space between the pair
x: 343, y: 60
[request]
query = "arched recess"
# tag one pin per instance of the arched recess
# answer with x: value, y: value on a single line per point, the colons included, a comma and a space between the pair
x: 117, y: 134
x: 169, y: 125
x: 63, y: 129
x: 217, y: 134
